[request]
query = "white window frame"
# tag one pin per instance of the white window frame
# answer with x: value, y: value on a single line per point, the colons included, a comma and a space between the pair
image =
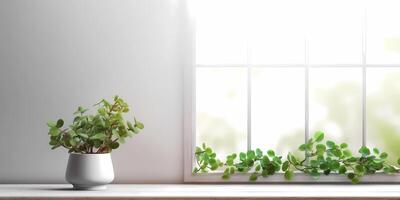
x: 189, y: 120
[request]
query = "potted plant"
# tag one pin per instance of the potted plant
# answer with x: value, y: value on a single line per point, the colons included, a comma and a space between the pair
x: 90, y: 139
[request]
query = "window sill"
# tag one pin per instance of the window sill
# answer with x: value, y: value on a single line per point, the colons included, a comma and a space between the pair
x: 215, y: 177
x: 205, y: 191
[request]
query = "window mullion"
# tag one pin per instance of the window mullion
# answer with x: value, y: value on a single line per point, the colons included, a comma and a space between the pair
x: 249, y: 81
x: 364, y: 77
x: 306, y: 95
x: 249, y: 108
x: 249, y: 77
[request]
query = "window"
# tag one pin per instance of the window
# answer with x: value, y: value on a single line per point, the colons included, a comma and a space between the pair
x: 267, y: 74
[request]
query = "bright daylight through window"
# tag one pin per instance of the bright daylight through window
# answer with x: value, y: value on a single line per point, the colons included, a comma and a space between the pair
x: 270, y: 73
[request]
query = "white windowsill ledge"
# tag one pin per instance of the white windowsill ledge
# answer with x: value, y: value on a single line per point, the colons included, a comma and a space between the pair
x: 204, y: 191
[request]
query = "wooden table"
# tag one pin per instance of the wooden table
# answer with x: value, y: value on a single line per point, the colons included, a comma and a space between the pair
x: 204, y: 191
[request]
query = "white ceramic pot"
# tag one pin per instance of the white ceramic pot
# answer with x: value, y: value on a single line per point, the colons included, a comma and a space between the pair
x: 89, y: 171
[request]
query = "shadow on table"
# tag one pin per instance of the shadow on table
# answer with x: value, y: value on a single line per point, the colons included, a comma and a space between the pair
x: 55, y: 189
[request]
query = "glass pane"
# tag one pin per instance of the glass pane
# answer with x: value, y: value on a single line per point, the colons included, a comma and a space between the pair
x: 383, y: 32
x: 278, y: 108
x: 336, y: 104
x: 334, y: 31
x: 220, y: 37
x: 221, y: 109
x: 383, y: 110
x: 276, y: 37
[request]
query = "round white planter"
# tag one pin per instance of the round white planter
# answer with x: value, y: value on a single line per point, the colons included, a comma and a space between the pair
x: 89, y: 171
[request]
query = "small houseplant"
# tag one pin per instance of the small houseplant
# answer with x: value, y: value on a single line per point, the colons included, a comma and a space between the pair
x: 90, y: 139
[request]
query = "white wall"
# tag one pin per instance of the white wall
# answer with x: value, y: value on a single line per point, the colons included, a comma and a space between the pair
x: 58, y: 54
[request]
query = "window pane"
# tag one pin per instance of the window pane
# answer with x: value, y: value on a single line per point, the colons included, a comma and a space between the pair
x: 221, y: 109
x: 220, y: 37
x: 278, y: 108
x: 336, y: 104
x: 334, y: 31
x: 276, y: 37
x: 383, y: 32
x: 383, y: 110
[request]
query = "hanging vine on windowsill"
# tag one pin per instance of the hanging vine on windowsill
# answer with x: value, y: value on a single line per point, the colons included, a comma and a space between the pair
x: 320, y: 159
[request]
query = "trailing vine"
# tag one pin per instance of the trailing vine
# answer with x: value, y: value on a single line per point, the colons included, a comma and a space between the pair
x: 320, y: 158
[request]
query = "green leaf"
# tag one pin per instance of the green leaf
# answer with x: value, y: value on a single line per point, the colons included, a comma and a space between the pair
x: 330, y: 143
x: 53, y: 142
x: 51, y: 124
x: 355, y: 180
x: 72, y: 142
x: 214, y: 166
x: 351, y: 175
x: 54, y: 131
x: 82, y: 135
x: 265, y: 161
x: 98, y: 136
x: 72, y: 133
x: 335, y: 165
x: 324, y: 166
x: 319, y: 136
x: 253, y: 176
x: 314, y: 163
x: 80, y: 110
x: 285, y: 166
x: 208, y: 151
x: 343, y: 145
x: 337, y: 152
x: 229, y: 162
x: 342, y: 169
x: 242, y: 156
x: 398, y: 161
x: 60, y: 123
x: 114, y: 145
x: 264, y: 173
x: 212, y: 161
x: 376, y: 151
x: 259, y: 153
x: 130, y: 126
x: 289, y: 175
x: 232, y: 170
x: 139, y: 124
x: 227, y: 174
x: 292, y: 158
x: 135, y: 130
x: 271, y: 153
x: 347, y: 153
x: 303, y: 147
x: 321, y: 148
x: 352, y: 159
x: 383, y: 155
x: 359, y: 169
x: 251, y: 154
x: 258, y: 167
x: 391, y: 170
x: 364, y: 151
